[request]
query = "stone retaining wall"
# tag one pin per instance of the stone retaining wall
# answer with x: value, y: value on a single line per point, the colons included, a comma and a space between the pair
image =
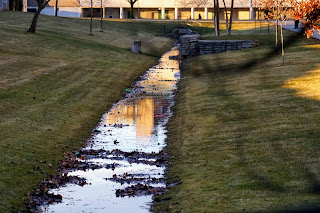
x: 190, y: 45
x: 218, y: 46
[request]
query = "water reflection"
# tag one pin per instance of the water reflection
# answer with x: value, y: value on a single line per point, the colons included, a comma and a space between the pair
x: 136, y: 122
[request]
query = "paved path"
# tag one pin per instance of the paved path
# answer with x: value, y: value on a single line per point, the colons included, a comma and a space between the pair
x: 289, y: 25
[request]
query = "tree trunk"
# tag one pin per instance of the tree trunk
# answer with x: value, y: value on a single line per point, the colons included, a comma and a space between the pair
x: 277, y: 27
x: 101, y: 29
x: 231, y: 14
x: 216, y: 18
x: 33, y: 26
x: 131, y: 10
x: 56, y: 13
x: 277, y: 22
x: 226, y: 11
x: 41, y: 6
x: 91, y: 14
x: 282, y: 44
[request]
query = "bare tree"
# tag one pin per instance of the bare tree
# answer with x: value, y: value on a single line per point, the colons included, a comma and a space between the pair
x: 101, y: 13
x: 197, y: 3
x: 228, y: 21
x: 279, y: 10
x: 131, y: 2
x: 192, y: 3
x: 41, y: 5
x: 91, y: 14
x: 16, y: 4
x: 216, y: 17
x: 56, y: 12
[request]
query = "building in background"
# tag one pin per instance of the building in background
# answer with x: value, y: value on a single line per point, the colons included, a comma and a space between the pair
x: 144, y: 9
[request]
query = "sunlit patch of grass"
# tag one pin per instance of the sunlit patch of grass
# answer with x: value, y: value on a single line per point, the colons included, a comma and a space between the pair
x: 307, y: 85
x: 317, y: 46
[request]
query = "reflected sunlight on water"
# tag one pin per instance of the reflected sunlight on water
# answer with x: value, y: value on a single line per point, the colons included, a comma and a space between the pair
x: 135, y: 123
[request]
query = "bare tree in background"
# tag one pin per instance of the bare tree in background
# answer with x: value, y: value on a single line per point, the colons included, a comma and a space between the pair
x: 216, y: 17
x: 131, y: 2
x: 16, y: 5
x: 41, y: 5
x: 101, y: 14
x: 279, y: 10
x: 56, y: 12
x: 197, y: 3
x: 91, y: 14
x: 192, y: 3
x: 228, y: 21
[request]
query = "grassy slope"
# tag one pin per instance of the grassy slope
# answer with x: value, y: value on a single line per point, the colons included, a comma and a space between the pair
x: 246, y: 139
x: 54, y: 87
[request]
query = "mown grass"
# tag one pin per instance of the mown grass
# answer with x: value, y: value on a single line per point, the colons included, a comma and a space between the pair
x: 245, y: 135
x: 55, y: 85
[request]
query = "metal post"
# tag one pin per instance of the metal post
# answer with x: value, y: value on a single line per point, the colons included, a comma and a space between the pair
x: 101, y: 30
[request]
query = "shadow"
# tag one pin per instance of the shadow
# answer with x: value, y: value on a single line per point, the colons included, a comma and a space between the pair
x: 305, y: 209
x: 258, y: 174
x: 247, y: 65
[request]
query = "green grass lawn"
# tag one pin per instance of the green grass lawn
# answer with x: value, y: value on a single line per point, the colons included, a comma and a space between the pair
x: 54, y: 87
x: 246, y: 138
x: 240, y: 139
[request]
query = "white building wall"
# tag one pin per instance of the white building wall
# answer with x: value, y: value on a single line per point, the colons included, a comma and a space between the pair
x: 69, y: 12
x: 49, y: 11
x: 62, y: 11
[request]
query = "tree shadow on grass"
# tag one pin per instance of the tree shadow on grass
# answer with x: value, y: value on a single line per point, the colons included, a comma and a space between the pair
x: 245, y: 66
x: 256, y: 173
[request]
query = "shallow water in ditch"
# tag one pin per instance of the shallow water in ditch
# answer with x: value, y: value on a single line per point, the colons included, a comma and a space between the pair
x: 135, y: 123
